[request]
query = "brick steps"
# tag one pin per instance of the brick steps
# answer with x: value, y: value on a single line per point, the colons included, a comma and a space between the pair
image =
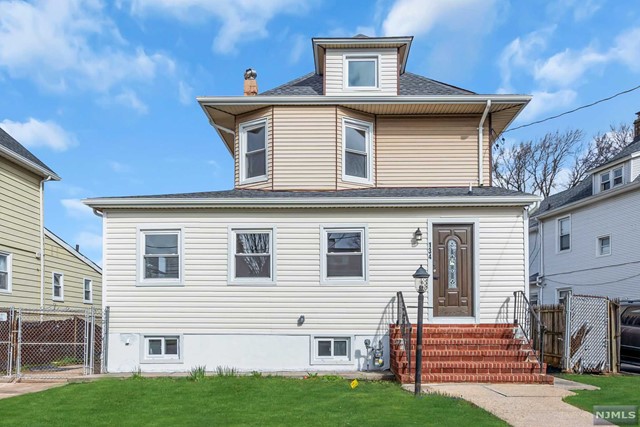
x: 484, y: 353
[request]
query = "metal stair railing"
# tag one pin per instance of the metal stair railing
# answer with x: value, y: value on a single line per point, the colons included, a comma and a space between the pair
x: 526, y: 317
x: 405, y: 328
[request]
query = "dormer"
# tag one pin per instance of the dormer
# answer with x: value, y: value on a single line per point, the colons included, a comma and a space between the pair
x: 361, y: 65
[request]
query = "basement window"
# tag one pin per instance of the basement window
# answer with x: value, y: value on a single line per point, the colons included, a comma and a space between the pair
x: 331, y: 350
x: 253, y: 151
x: 159, y: 348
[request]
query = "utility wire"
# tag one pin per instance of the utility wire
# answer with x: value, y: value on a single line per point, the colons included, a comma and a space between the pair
x: 574, y: 110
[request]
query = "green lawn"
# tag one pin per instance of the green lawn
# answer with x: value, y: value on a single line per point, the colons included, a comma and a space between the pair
x: 614, y: 390
x: 235, y: 401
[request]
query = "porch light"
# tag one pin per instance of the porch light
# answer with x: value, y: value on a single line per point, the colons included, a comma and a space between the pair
x: 421, y: 279
x: 417, y: 235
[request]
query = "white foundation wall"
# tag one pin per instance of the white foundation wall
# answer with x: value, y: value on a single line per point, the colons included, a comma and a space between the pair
x: 211, y: 314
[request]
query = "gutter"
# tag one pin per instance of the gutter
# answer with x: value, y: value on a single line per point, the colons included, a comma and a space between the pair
x: 49, y: 175
x: 317, y: 202
x: 42, y: 230
x: 480, y: 141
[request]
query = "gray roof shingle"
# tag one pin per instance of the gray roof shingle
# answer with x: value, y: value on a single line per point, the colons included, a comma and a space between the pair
x: 8, y: 142
x: 400, y: 192
x: 410, y: 84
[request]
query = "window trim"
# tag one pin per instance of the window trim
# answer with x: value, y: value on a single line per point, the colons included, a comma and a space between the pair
x: 558, y: 237
x: 359, y: 57
x: 144, y: 348
x: 331, y: 360
x: 368, y: 128
x: 142, y: 232
x: 598, y: 247
x: 90, y: 300
x: 53, y: 288
x: 9, y: 256
x: 565, y: 289
x: 611, y: 174
x: 242, y: 140
x: 231, y: 256
x: 342, y: 281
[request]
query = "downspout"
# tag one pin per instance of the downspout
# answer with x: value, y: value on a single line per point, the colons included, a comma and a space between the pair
x: 480, y: 149
x: 48, y: 178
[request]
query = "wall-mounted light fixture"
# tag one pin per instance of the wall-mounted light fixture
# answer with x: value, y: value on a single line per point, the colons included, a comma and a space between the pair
x: 417, y: 235
x: 301, y: 320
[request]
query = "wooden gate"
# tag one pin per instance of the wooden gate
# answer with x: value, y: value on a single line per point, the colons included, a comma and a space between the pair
x: 553, y: 317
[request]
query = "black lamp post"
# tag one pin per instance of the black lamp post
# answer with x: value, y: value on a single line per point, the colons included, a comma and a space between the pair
x: 421, y: 278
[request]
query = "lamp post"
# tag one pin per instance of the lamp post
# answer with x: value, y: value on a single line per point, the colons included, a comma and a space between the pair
x: 421, y: 278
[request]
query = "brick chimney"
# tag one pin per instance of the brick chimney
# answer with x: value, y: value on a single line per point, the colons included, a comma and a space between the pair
x: 250, y: 83
x: 636, y: 126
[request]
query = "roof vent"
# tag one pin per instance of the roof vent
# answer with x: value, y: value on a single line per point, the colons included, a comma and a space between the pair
x: 250, y: 83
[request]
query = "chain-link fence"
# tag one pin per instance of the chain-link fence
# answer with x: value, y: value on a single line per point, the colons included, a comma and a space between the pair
x: 47, y: 343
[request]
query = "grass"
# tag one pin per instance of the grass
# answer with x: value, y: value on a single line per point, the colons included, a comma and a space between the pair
x: 237, y: 401
x: 614, y: 390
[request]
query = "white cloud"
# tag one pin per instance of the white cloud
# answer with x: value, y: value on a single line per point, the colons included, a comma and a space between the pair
x: 545, y: 102
x: 627, y: 48
x: 416, y: 17
x: 35, y: 133
x: 567, y: 67
x: 71, y: 44
x: 76, y: 209
x: 185, y: 93
x: 129, y: 98
x: 89, y: 240
x: 580, y: 9
x: 241, y: 21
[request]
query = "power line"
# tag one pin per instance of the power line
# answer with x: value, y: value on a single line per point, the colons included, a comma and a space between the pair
x: 574, y: 110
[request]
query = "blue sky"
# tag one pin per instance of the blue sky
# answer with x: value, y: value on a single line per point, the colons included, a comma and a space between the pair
x: 104, y: 92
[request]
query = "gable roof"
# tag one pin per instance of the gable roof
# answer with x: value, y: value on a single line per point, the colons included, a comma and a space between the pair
x: 15, y: 151
x: 410, y: 85
x: 626, y: 151
x: 72, y: 250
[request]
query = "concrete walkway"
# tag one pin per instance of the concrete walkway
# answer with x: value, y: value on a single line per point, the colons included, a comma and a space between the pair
x: 523, y: 405
x: 16, y: 389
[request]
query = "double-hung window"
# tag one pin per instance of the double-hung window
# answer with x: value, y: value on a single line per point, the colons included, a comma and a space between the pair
x: 564, y: 234
x: 611, y: 178
x: 252, y: 256
x: 344, y: 255
x: 357, y: 151
x: 58, y: 286
x: 87, y: 291
x: 604, y: 245
x: 253, y: 151
x: 617, y: 176
x: 361, y: 72
x: 5, y: 272
x: 332, y: 349
x: 162, y: 347
x: 605, y: 181
x: 160, y: 256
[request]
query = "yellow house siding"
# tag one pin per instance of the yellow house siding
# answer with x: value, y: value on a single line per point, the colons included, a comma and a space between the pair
x: 20, y: 232
x: 429, y: 151
x: 58, y: 259
x: 265, y: 113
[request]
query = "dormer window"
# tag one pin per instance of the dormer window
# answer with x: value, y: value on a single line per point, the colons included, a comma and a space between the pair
x: 253, y: 151
x: 611, y: 179
x: 362, y: 72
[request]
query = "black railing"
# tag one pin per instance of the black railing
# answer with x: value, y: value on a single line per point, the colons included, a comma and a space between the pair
x: 526, y: 317
x: 405, y: 328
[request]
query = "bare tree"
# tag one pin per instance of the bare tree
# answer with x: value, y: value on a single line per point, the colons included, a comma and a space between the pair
x: 510, y: 167
x: 600, y: 150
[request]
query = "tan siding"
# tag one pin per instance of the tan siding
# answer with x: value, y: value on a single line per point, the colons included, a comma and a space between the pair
x: 387, y: 72
x: 304, y: 155
x: 264, y: 113
x: 20, y: 232
x: 429, y: 151
x: 347, y: 113
x: 207, y: 304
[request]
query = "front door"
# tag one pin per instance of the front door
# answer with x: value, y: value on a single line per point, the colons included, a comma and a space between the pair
x: 453, y: 270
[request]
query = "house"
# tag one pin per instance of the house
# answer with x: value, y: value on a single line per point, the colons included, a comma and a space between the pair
x: 37, y: 268
x: 347, y: 179
x: 585, y: 240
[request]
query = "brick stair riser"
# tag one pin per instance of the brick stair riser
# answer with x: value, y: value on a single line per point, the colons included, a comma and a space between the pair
x: 479, y: 378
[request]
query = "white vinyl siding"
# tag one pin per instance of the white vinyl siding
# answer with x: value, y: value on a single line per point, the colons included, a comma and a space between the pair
x: 206, y: 304
x: 5, y: 272
x: 336, y: 71
x: 57, y: 285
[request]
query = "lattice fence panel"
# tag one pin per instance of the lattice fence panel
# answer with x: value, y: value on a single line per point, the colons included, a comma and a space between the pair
x: 589, y: 325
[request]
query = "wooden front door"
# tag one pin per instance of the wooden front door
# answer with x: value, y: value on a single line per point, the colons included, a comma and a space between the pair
x: 453, y: 270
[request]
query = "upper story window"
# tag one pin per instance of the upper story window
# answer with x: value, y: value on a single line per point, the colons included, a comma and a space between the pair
x: 87, y: 291
x: 253, y: 151
x: 604, y: 246
x: 564, y: 234
x: 611, y: 178
x: 160, y: 256
x: 361, y: 72
x: 58, y: 287
x: 357, y: 151
x: 5, y: 272
x: 252, y: 252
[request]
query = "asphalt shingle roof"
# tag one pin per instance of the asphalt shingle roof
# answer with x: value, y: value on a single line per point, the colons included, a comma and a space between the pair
x: 7, y: 141
x: 401, y: 192
x: 410, y: 84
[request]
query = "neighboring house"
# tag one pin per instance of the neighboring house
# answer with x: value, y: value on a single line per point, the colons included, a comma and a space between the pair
x: 37, y: 268
x: 586, y: 240
x: 347, y: 179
